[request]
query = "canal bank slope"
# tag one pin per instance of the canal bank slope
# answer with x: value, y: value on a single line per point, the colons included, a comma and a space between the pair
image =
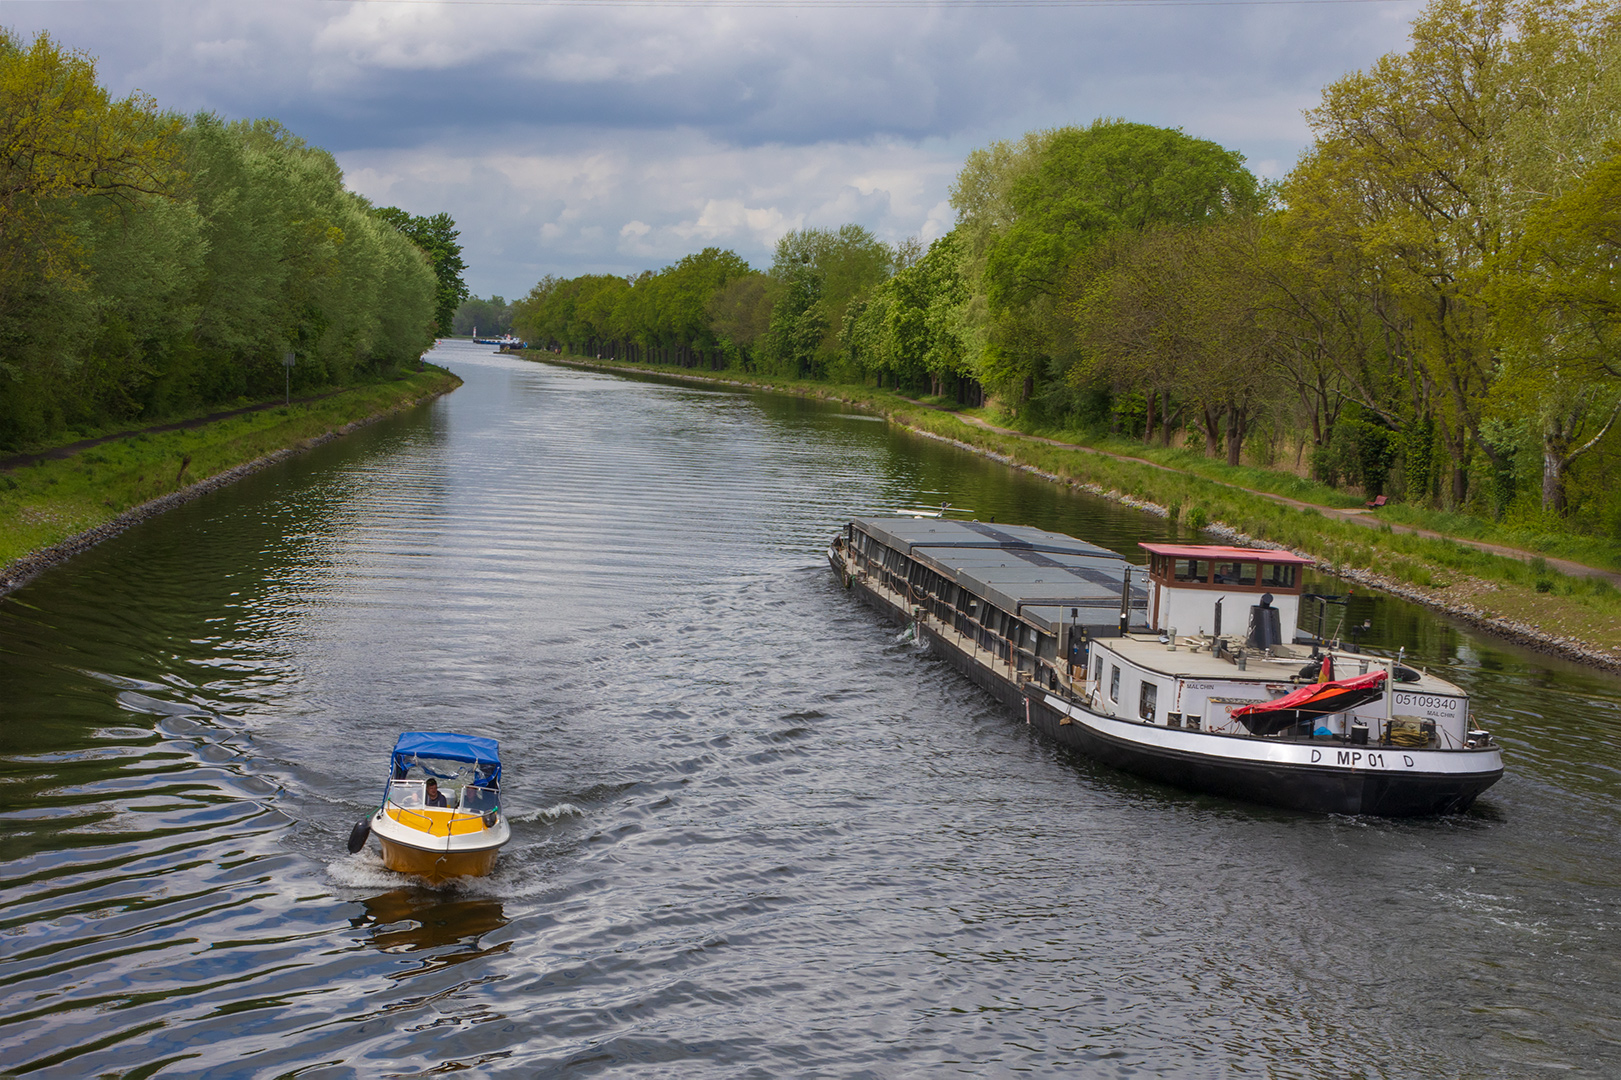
x: 1553, y: 606
x: 59, y: 502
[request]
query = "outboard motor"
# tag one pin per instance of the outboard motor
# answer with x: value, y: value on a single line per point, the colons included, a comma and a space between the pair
x: 1266, y: 630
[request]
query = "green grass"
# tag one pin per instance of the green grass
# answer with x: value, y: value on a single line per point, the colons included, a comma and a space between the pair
x: 1527, y: 590
x: 46, y: 503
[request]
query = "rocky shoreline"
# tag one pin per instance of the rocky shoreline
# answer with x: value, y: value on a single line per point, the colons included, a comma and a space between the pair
x: 21, y: 571
x: 1520, y: 633
x: 1513, y: 630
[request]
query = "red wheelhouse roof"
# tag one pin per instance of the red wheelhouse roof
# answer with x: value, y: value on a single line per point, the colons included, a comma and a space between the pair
x: 1217, y: 551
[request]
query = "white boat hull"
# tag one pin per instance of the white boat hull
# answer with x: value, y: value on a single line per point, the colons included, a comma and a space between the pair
x: 438, y: 844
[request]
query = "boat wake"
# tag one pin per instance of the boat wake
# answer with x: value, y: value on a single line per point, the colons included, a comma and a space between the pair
x: 549, y: 814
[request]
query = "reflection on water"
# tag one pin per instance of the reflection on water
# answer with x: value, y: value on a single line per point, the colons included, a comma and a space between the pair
x: 755, y: 831
x: 412, y: 920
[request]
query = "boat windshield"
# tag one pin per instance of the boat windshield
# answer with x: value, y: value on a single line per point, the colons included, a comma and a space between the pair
x: 480, y: 800
x: 412, y: 794
x: 406, y: 793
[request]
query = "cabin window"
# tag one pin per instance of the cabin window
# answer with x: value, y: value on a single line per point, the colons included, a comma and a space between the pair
x: 1097, y: 669
x: 1114, y: 683
x: 1235, y: 573
x: 1278, y: 576
x: 1192, y: 570
x: 1148, y: 701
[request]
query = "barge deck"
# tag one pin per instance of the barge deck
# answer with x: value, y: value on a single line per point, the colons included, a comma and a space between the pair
x: 1131, y: 666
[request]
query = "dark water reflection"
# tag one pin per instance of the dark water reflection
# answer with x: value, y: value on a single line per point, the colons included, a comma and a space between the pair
x: 756, y: 833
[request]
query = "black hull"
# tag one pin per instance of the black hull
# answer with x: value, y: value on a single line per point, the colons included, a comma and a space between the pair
x: 1292, y: 787
x: 1313, y: 789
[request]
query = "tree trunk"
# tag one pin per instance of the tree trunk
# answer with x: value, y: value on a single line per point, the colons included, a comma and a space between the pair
x: 1167, y: 420
x: 1553, y: 476
x: 1212, y: 430
x: 1235, y: 434
x: 1148, y: 421
x: 1557, y: 454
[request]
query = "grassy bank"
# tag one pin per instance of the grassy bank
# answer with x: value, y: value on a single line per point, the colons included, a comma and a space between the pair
x: 1524, y: 599
x: 50, y: 502
x: 1588, y: 550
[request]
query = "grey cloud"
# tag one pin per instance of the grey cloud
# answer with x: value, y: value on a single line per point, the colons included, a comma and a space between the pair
x: 548, y: 131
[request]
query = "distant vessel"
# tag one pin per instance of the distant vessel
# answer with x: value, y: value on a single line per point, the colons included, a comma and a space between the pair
x: 441, y: 811
x: 507, y: 342
x: 1044, y: 622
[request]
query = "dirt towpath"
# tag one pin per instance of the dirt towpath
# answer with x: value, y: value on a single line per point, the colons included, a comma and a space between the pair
x: 57, y: 453
x: 1369, y: 518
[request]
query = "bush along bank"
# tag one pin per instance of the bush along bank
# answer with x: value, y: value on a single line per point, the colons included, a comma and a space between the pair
x: 55, y: 508
x: 1522, y: 600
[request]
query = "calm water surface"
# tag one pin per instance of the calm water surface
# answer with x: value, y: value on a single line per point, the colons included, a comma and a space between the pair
x: 756, y: 833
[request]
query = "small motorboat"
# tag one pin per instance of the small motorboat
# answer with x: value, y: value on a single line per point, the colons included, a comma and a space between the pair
x: 441, y: 811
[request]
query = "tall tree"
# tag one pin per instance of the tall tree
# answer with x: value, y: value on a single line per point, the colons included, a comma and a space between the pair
x: 1030, y: 211
x: 1558, y: 305
x: 1171, y: 313
x: 740, y: 314
x: 822, y: 271
x: 437, y: 237
x: 1423, y: 170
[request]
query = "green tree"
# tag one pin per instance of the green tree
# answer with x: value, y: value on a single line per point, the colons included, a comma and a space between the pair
x: 437, y: 237
x: 822, y: 272
x: 740, y: 314
x: 1558, y: 304
x: 1423, y: 171
x: 686, y: 290
x: 1170, y: 312
x: 1030, y: 211
x: 492, y: 316
x: 149, y: 264
x: 911, y: 326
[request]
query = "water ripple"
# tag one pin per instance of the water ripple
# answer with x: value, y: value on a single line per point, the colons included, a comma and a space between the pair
x: 755, y: 834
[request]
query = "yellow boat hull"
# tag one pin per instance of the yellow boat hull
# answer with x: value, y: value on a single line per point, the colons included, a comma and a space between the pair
x: 436, y: 843
x: 436, y: 866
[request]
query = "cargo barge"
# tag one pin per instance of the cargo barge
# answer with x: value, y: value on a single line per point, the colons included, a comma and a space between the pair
x: 1141, y: 668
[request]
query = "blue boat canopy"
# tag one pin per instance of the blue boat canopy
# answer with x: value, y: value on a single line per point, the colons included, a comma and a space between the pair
x: 484, y: 754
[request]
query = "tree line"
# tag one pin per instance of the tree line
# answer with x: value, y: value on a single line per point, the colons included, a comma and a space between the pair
x: 153, y: 264
x: 1428, y: 306
x: 483, y: 318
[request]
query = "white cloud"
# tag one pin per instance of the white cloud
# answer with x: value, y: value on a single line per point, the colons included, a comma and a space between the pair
x: 661, y: 195
x: 548, y: 131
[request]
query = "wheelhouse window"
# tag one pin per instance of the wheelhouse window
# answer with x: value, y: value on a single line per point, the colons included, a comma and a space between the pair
x: 1235, y: 573
x: 1278, y: 575
x: 1148, y: 701
x: 1192, y: 570
x: 1097, y: 669
x: 1114, y: 683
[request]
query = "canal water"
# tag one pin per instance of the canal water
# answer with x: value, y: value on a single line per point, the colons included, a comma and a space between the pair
x: 757, y: 832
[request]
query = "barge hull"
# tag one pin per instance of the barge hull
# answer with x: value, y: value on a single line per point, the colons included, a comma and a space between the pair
x: 1291, y: 787
x: 1316, y: 789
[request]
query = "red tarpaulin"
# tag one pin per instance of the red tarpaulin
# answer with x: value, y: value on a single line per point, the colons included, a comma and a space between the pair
x: 1320, y: 699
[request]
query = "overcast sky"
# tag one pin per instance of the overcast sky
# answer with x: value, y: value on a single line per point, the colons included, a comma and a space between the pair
x: 579, y: 136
